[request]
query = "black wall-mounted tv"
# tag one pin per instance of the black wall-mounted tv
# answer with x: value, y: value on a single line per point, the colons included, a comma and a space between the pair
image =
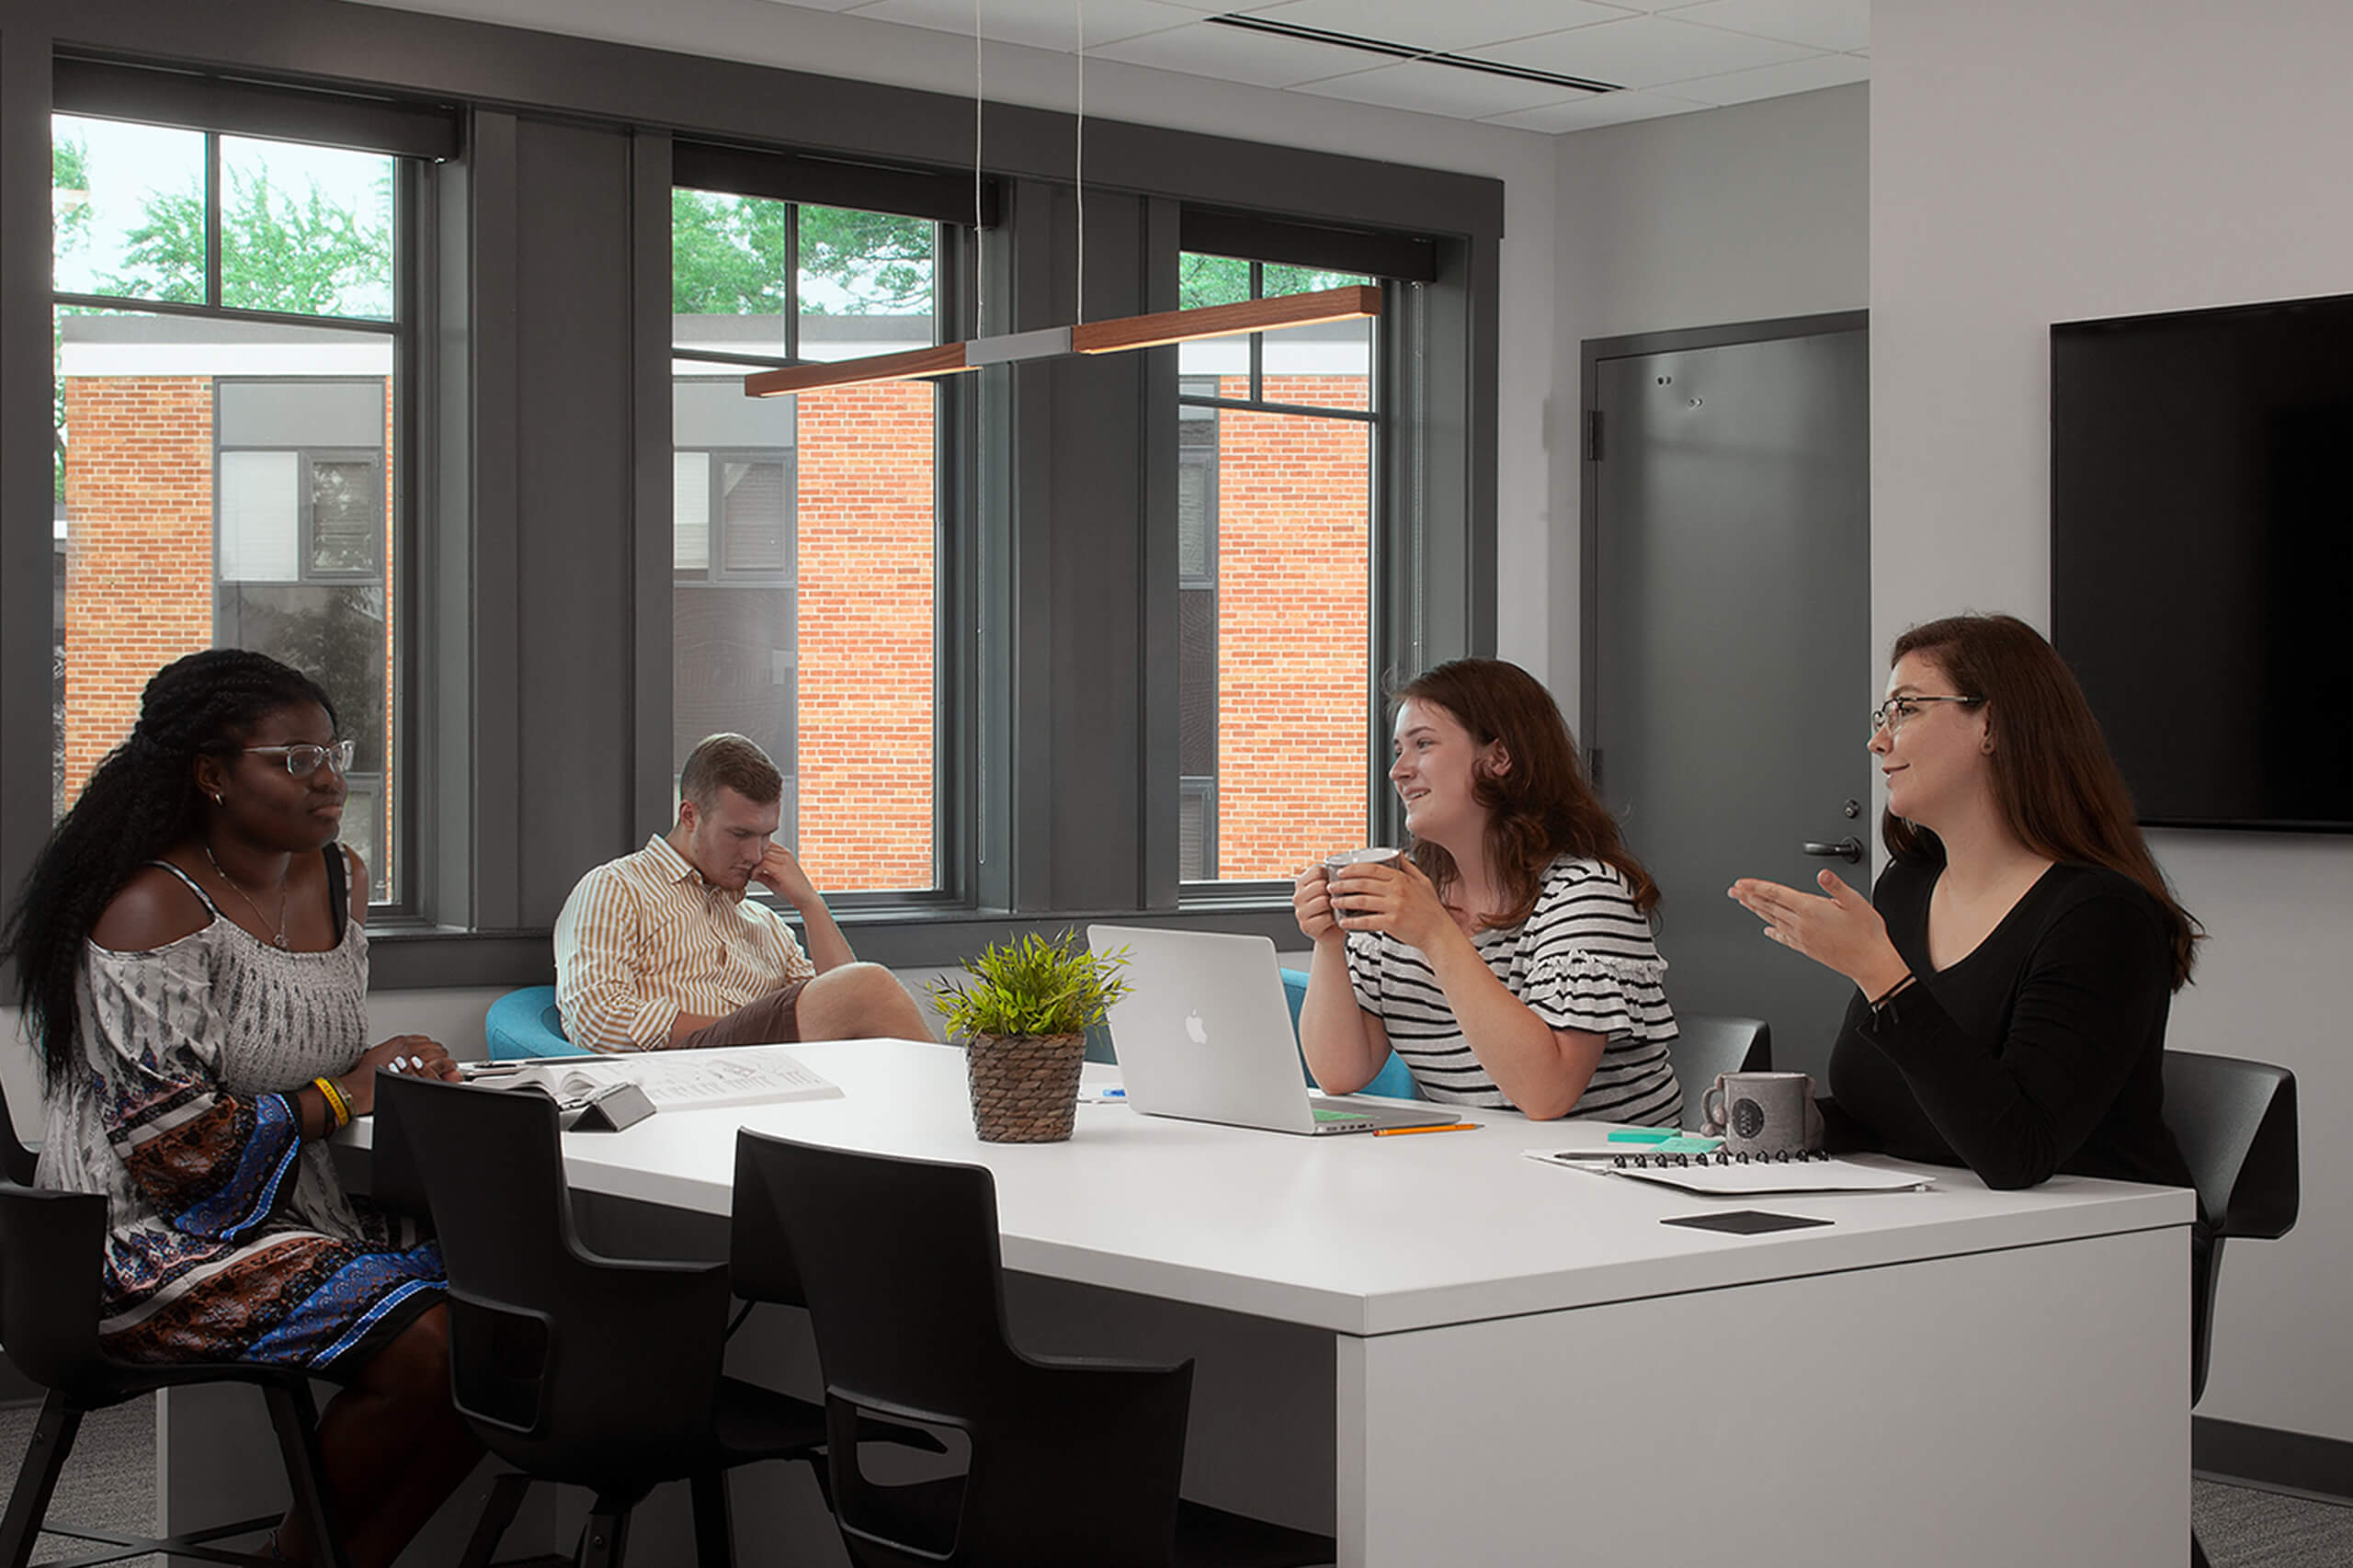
x: 2201, y: 556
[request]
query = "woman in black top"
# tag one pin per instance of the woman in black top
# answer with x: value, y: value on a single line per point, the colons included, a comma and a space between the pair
x: 2015, y: 965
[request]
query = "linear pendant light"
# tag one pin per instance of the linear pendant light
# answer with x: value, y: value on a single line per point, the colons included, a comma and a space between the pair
x: 1115, y: 336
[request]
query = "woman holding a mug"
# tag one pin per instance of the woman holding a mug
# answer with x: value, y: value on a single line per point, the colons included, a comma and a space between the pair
x: 1508, y: 956
x: 2014, y: 967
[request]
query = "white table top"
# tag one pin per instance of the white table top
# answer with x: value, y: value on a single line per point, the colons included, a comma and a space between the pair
x: 1358, y: 1234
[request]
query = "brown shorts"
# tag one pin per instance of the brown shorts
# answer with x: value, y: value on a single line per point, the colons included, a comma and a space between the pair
x: 774, y: 1020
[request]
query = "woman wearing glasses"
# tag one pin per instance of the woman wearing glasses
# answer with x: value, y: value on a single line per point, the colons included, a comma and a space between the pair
x: 1508, y: 957
x: 2014, y: 967
x: 190, y: 956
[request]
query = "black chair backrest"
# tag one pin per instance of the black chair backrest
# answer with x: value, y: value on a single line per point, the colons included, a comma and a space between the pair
x: 1073, y: 1462
x: 51, y: 1256
x: 17, y: 1162
x: 1705, y: 1046
x: 2235, y: 1122
x: 574, y: 1367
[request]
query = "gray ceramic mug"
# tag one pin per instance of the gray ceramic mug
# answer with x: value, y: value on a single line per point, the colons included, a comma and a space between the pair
x: 1348, y: 859
x: 1763, y: 1113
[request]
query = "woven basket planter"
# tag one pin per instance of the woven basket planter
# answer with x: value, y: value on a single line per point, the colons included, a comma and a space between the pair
x: 1025, y: 1087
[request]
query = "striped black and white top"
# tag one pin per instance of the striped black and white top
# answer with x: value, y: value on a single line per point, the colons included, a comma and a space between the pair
x: 1582, y: 960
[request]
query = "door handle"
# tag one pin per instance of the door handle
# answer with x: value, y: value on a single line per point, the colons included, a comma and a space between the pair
x: 1849, y: 850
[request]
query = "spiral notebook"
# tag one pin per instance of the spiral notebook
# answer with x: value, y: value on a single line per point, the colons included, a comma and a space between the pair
x: 1732, y: 1176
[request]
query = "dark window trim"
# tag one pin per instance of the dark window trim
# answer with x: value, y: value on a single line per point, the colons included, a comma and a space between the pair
x: 194, y: 99
x: 811, y: 179
x: 1407, y: 258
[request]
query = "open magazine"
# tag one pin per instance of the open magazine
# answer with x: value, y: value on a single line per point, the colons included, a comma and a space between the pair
x: 670, y: 1080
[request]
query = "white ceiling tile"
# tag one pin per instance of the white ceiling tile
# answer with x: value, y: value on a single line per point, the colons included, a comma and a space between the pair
x: 1603, y: 108
x: 1818, y: 24
x: 1776, y: 81
x: 1040, y: 24
x: 822, y: 5
x: 1231, y: 54
x: 1225, y: 8
x: 1431, y: 88
x: 1458, y: 24
x: 1644, y: 51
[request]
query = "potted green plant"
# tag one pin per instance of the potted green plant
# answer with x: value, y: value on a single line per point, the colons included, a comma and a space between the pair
x: 1023, y: 1014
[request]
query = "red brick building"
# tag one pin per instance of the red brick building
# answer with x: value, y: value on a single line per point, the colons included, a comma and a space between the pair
x: 805, y: 584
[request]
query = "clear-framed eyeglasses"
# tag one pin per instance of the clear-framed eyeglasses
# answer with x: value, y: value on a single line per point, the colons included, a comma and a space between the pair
x: 305, y: 759
x: 1897, y: 711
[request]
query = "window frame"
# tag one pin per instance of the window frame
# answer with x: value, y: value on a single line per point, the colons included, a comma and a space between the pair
x: 796, y: 181
x: 301, y: 119
x: 1382, y: 529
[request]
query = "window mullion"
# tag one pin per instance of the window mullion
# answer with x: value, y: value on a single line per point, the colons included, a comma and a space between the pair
x: 212, y: 203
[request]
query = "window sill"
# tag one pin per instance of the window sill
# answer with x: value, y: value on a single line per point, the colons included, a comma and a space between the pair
x: 413, y: 955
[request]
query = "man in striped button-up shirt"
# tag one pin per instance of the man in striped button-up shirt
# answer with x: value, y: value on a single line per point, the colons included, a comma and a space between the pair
x: 661, y: 949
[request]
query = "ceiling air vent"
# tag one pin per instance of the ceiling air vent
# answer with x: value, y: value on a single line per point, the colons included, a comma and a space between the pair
x: 1407, y: 52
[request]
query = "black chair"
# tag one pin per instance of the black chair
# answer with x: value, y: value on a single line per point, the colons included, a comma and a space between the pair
x: 595, y: 1372
x: 1706, y: 1046
x: 51, y: 1248
x: 2235, y: 1123
x: 1072, y: 1461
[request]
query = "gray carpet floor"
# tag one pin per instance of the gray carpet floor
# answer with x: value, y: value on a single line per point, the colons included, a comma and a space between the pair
x: 110, y: 1482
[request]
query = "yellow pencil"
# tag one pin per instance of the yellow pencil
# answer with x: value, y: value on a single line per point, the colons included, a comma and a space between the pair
x: 1443, y: 1127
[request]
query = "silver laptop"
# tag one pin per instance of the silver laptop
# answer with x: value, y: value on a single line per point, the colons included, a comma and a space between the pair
x: 1205, y: 1034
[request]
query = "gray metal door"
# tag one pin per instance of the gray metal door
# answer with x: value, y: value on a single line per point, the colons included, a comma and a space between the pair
x: 1729, y: 646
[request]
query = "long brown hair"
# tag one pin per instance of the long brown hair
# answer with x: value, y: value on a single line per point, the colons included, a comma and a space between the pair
x: 1539, y: 807
x: 2054, y: 782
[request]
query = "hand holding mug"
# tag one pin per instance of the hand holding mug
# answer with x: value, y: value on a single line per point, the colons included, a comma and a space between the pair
x: 1311, y: 905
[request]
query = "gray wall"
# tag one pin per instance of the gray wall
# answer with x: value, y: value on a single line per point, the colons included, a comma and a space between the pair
x: 2032, y: 162
x: 1735, y: 214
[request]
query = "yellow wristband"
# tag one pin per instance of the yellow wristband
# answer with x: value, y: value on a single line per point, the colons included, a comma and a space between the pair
x: 337, y: 1107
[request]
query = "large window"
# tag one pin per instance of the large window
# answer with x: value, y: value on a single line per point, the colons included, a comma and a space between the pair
x: 804, y: 598
x: 1274, y: 510
x: 228, y: 348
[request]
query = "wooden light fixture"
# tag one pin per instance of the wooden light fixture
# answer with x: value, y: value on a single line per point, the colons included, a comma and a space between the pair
x: 1117, y: 335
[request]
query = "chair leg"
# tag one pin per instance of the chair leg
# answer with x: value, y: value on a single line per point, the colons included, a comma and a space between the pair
x: 714, y: 1532
x: 44, y: 1460
x: 497, y: 1512
x: 296, y: 1418
x: 606, y: 1536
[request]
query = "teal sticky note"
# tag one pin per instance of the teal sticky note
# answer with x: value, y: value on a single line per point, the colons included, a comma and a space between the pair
x: 1642, y: 1135
x: 1687, y: 1145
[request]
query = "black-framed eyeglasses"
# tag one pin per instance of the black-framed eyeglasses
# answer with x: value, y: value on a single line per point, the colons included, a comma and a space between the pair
x: 305, y: 759
x: 1896, y: 711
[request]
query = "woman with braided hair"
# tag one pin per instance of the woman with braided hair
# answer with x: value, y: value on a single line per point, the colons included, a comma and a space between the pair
x: 191, y: 958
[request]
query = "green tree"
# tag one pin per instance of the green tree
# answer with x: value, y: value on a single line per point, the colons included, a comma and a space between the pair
x: 1225, y: 279
x: 730, y: 256
x: 69, y: 167
x: 304, y: 254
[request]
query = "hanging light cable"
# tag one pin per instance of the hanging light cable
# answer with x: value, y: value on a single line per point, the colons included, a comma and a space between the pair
x: 1116, y: 335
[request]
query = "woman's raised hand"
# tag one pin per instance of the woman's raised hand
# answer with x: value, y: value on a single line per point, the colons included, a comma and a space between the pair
x: 1841, y: 931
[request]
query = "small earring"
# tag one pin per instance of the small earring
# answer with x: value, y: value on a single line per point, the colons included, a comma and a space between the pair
x: 217, y: 800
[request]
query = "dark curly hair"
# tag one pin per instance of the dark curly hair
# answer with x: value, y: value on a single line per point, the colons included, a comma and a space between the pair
x: 1540, y: 808
x: 139, y: 802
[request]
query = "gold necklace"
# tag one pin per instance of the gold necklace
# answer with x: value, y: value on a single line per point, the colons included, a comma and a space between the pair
x: 283, y: 896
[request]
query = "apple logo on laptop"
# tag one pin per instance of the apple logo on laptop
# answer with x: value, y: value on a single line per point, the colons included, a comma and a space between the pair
x: 1194, y: 1027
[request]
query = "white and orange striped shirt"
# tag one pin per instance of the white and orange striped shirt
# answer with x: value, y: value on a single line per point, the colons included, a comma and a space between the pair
x: 644, y: 939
